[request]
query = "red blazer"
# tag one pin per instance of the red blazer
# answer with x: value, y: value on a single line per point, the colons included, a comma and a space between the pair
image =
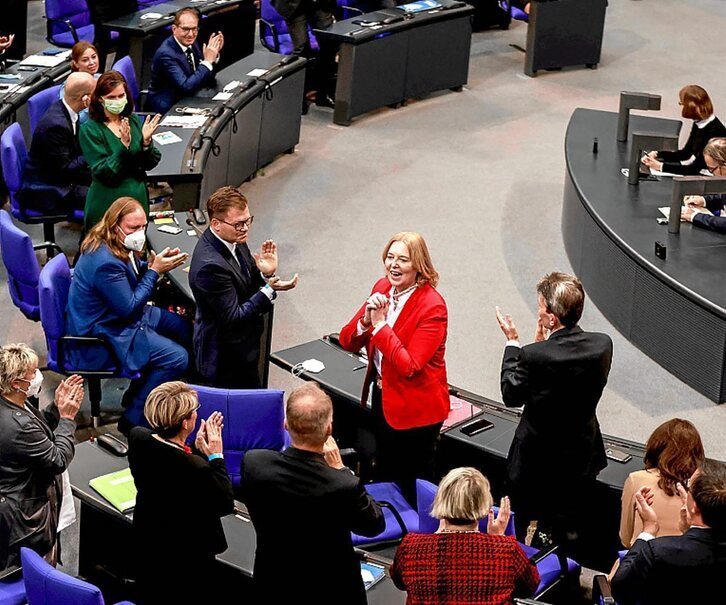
x: 415, y: 391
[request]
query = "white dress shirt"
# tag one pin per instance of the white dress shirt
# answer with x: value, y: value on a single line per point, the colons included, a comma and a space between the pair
x: 232, y: 247
x: 204, y: 62
x: 74, y: 116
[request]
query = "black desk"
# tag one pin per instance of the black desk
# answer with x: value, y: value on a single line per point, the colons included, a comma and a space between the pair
x: 235, y: 18
x: 609, y: 229
x: 259, y: 122
x: 486, y: 451
x: 105, y: 535
x: 410, y: 58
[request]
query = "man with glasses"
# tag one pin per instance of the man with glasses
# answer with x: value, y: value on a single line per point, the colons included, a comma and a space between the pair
x: 714, y: 156
x: 233, y: 290
x: 679, y: 569
x: 180, y: 67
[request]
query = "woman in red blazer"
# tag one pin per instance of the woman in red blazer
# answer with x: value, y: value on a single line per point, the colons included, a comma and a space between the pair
x: 402, y: 325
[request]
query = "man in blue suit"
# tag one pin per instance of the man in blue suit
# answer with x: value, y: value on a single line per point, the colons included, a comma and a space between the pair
x: 233, y: 291
x: 179, y: 67
x: 108, y: 299
x: 56, y: 175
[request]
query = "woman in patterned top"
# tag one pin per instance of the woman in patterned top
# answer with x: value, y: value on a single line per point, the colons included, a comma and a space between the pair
x: 459, y: 564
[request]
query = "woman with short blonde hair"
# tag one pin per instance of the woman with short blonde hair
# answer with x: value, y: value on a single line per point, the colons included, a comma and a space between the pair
x: 182, y: 494
x: 459, y: 563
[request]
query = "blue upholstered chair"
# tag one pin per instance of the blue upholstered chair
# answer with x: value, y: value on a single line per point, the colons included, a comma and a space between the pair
x: 89, y: 357
x: 21, y: 265
x: 253, y: 419
x: 13, y: 155
x: 274, y: 34
x: 400, y: 517
x: 39, y: 103
x: 46, y: 585
x: 125, y: 67
x: 515, y: 13
x: 552, y: 568
x: 68, y: 22
x: 12, y: 587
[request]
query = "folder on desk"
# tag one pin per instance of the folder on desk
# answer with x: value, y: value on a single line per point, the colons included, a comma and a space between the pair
x: 372, y: 573
x: 420, y: 6
x: 117, y: 488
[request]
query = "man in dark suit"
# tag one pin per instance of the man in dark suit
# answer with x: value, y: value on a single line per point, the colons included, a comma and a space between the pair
x: 679, y: 569
x: 233, y: 291
x: 557, y: 449
x: 180, y: 67
x: 306, y: 496
x: 56, y: 175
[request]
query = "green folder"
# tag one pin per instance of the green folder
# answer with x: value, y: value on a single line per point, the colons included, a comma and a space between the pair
x: 117, y: 488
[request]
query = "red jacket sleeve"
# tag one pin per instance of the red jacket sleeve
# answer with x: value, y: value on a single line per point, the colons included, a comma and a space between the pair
x: 349, y: 338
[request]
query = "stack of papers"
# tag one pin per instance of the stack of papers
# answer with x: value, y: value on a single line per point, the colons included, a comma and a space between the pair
x: 181, y: 121
x: 45, y: 60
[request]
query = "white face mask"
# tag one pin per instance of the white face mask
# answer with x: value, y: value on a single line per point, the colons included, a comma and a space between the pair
x: 134, y: 241
x: 34, y: 384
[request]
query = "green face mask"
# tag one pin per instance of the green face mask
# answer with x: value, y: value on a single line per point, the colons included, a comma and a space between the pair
x: 115, y: 106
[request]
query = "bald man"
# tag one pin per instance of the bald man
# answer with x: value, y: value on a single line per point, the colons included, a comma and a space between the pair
x: 56, y: 176
x: 304, y: 503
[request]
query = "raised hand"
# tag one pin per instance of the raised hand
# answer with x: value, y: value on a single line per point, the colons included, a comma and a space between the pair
x: 6, y: 41
x: 149, y: 127
x: 499, y: 524
x: 125, y: 132
x: 540, y: 332
x: 210, y: 50
x: 266, y: 259
x: 643, y: 502
x: 167, y: 260
x: 506, y: 323
x: 281, y: 285
x: 684, y: 523
x: 331, y: 453
x: 69, y: 396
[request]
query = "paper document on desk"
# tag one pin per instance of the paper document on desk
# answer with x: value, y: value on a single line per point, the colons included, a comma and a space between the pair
x: 659, y: 173
x: 165, y: 138
x: 181, y: 121
x: 256, y: 73
x: 371, y: 573
x: 45, y: 60
x: 666, y: 211
x: 222, y: 96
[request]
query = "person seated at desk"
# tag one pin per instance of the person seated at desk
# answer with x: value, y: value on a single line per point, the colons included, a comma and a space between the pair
x: 108, y: 299
x: 672, y: 454
x: 37, y: 448
x: 117, y: 146
x: 84, y: 59
x: 306, y: 496
x: 56, y: 176
x: 233, y: 291
x: 459, y: 563
x: 182, y: 493
x: 179, y: 67
x: 714, y: 156
x: 697, y: 106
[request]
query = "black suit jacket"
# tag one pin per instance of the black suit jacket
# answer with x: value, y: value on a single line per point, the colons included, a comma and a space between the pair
x: 303, y: 512
x: 697, y: 140
x: 55, y: 162
x: 559, y: 382
x: 229, y: 320
x: 673, y: 570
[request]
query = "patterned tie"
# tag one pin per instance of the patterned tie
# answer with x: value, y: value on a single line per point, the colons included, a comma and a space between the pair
x: 190, y: 58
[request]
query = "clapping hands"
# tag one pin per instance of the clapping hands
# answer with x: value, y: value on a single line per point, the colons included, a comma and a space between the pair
x: 209, y: 435
x: 69, y: 396
x: 506, y: 323
x: 376, y: 309
x: 149, y: 127
x: 499, y: 524
x: 644, y: 508
x: 125, y: 132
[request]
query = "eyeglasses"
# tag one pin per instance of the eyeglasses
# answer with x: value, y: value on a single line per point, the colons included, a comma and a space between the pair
x: 188, y: 30
x: 714, y: 169
x: 241, y: 225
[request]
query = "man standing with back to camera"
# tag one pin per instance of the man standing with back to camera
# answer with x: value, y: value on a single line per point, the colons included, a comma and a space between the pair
x: 233, y: 291
x: 558, y: 450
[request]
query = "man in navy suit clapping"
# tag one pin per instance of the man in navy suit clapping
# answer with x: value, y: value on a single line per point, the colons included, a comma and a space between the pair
x: 180, y: 67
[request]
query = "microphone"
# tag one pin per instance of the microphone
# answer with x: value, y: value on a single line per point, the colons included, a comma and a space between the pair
x: 193, y: 225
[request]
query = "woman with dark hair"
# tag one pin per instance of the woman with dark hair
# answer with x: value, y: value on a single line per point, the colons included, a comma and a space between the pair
x: 181, y: 496
x: 402, y: 325
x: 697, y: 106
x: 673, y: 452
x: 84, y: 59
x: 117, y: 146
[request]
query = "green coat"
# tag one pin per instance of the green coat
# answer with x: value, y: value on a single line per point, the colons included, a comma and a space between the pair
x: 115, y: 170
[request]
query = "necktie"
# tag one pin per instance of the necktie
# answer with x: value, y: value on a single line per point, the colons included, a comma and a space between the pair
x: 242, y: 261
x: 190, y: 59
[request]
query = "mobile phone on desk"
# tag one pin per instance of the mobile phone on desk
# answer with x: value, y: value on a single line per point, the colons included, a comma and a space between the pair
x: 27, y: 68
x: 477, y: 426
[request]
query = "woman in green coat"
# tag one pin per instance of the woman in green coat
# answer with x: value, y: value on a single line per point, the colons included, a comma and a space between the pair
x: 117, y: 146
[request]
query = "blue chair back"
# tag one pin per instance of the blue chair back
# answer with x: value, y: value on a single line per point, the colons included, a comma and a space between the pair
x: 517, y: 13
x: 274, y: 34
x: 12, y: 592
x: 39, y: 103
x: 74, y: 11
x: 253, y: 419
x: 53, y: 286
x: 125, y: 67
x: 391, y: 494
x: 22, y: 267
x: 425, y: 493
x: 13, y: 155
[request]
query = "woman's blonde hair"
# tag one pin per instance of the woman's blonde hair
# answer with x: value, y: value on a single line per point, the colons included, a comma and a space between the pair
x: 419, y: 253
x: 106, y: 231
x: 168, y: 405
x: 15, y: 360
x: 464, y: 496
x: 716, y: 149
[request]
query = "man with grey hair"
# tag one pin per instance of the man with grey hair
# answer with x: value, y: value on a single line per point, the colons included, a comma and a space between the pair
x: 56, y: 175
x: 557, y: 451
x: 304, y: 503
